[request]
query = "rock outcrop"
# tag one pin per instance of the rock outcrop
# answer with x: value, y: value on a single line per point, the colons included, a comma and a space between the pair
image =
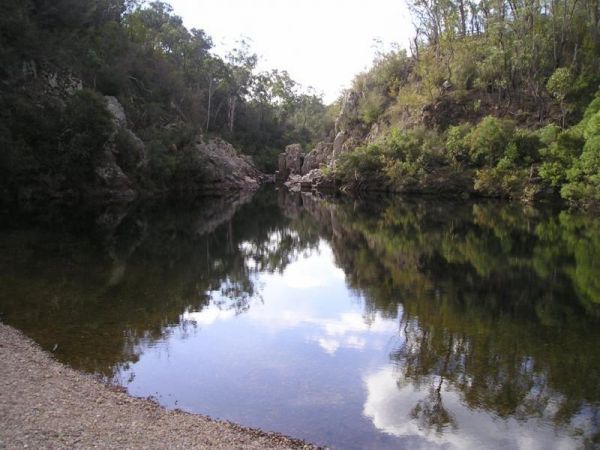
x: 320, y: 156
x: 224, y: 168
x: 313, y: 180
x: 305, y: 172
x: 290, y: 162
x: 124, y: 150
x: 219, y: 166
x: 110, y: 182
x: 348, y: 116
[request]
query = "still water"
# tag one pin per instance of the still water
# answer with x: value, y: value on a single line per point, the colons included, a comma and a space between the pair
x: 382, y: 323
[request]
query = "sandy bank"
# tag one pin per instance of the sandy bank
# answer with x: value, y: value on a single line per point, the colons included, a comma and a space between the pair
x: 44, y: 404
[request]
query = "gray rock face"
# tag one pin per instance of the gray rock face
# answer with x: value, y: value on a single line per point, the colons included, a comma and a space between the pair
x: 220, y: 168
x: 137, y: 149
x: 315, y: 179
x: 338, y: 142
x: 58, y: 84
x: 321, y: 155
x: 349, y: 113
x: 374, y: 133
x: 304, y: 172
x: 223, y: 168
x: 111, y: 183
x: 294, y: 158
x: 290, y: 162
x: 117, y: 111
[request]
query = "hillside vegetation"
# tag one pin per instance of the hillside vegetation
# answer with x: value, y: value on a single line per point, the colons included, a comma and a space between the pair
x: 497, y: 98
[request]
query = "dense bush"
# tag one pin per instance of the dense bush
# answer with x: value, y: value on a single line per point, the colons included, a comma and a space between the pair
x: 87, y: 126
x: 488, y: 141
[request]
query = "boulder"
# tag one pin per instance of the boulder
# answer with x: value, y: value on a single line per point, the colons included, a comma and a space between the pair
x: 294, y: 158
x: 315, y: 179
x: 374, y: 133
x: 321, y: 155
x: 350, y: 144
x: 222, y: 168
x: 290, y: 162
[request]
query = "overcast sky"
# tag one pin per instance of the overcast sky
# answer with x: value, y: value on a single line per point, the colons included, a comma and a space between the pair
x: 321, y: 43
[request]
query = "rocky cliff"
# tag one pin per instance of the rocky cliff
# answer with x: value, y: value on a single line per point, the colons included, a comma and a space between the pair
x: 117, y: 168
x: 313, y: 170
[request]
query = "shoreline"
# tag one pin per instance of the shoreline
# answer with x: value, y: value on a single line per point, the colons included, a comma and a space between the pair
x: 45, y: 404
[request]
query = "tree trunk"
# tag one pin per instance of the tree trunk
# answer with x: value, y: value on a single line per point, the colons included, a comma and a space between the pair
x: 231, y: 112
x: 209, y: 103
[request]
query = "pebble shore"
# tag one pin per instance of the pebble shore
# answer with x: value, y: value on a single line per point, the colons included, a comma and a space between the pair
x: 46, y: 405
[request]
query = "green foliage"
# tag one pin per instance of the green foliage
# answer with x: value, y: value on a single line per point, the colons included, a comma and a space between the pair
x: 361, y: 163
x: 488, y: 141
x: 560, y: 83
x: 560, y: 155
x: 572, y: 161
x: 398, y: 159
x: 592, y: 108
x: 455, y: 143
x: 504, y: 180
x: 87, y: 126
x: 583, y: 178
x: 592, y: 126
x: 54, y: 141
x: 370, y: 107
x: 548, y: 134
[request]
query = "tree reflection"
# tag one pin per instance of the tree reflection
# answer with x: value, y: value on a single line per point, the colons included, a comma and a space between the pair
x: 99, y: 295
x: 499, y: 302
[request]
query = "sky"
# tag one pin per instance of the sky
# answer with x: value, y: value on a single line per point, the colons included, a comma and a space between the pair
x: 321, y: 43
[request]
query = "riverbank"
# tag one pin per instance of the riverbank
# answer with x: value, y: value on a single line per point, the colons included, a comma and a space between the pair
x: 44, y: 404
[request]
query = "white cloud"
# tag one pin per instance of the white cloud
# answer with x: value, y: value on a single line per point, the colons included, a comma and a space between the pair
x: 208, y: 315
x: 316, y: 271
x: 389, y: 407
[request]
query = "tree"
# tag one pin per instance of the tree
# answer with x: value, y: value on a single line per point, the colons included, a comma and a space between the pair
x: 559, y: 86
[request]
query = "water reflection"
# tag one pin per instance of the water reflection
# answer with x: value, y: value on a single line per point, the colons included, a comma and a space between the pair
x: 380, y: 323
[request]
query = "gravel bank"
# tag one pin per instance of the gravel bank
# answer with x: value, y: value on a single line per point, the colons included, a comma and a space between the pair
x: 44, y: 404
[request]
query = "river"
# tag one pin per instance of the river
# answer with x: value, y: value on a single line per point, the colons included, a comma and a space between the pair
x: 380, y: 323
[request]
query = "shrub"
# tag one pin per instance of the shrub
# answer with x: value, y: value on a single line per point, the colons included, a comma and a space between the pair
x: 489, y: 139
x: 548, y: 134
x: 458, y: 151
x: 592, y: 126
x: 370, y: 107
x: 583, y: 179
x: 560, y: 156
x: 362, y: 162
x: 593, y: 107
x: 87, y: 126
x: 504, y: 180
